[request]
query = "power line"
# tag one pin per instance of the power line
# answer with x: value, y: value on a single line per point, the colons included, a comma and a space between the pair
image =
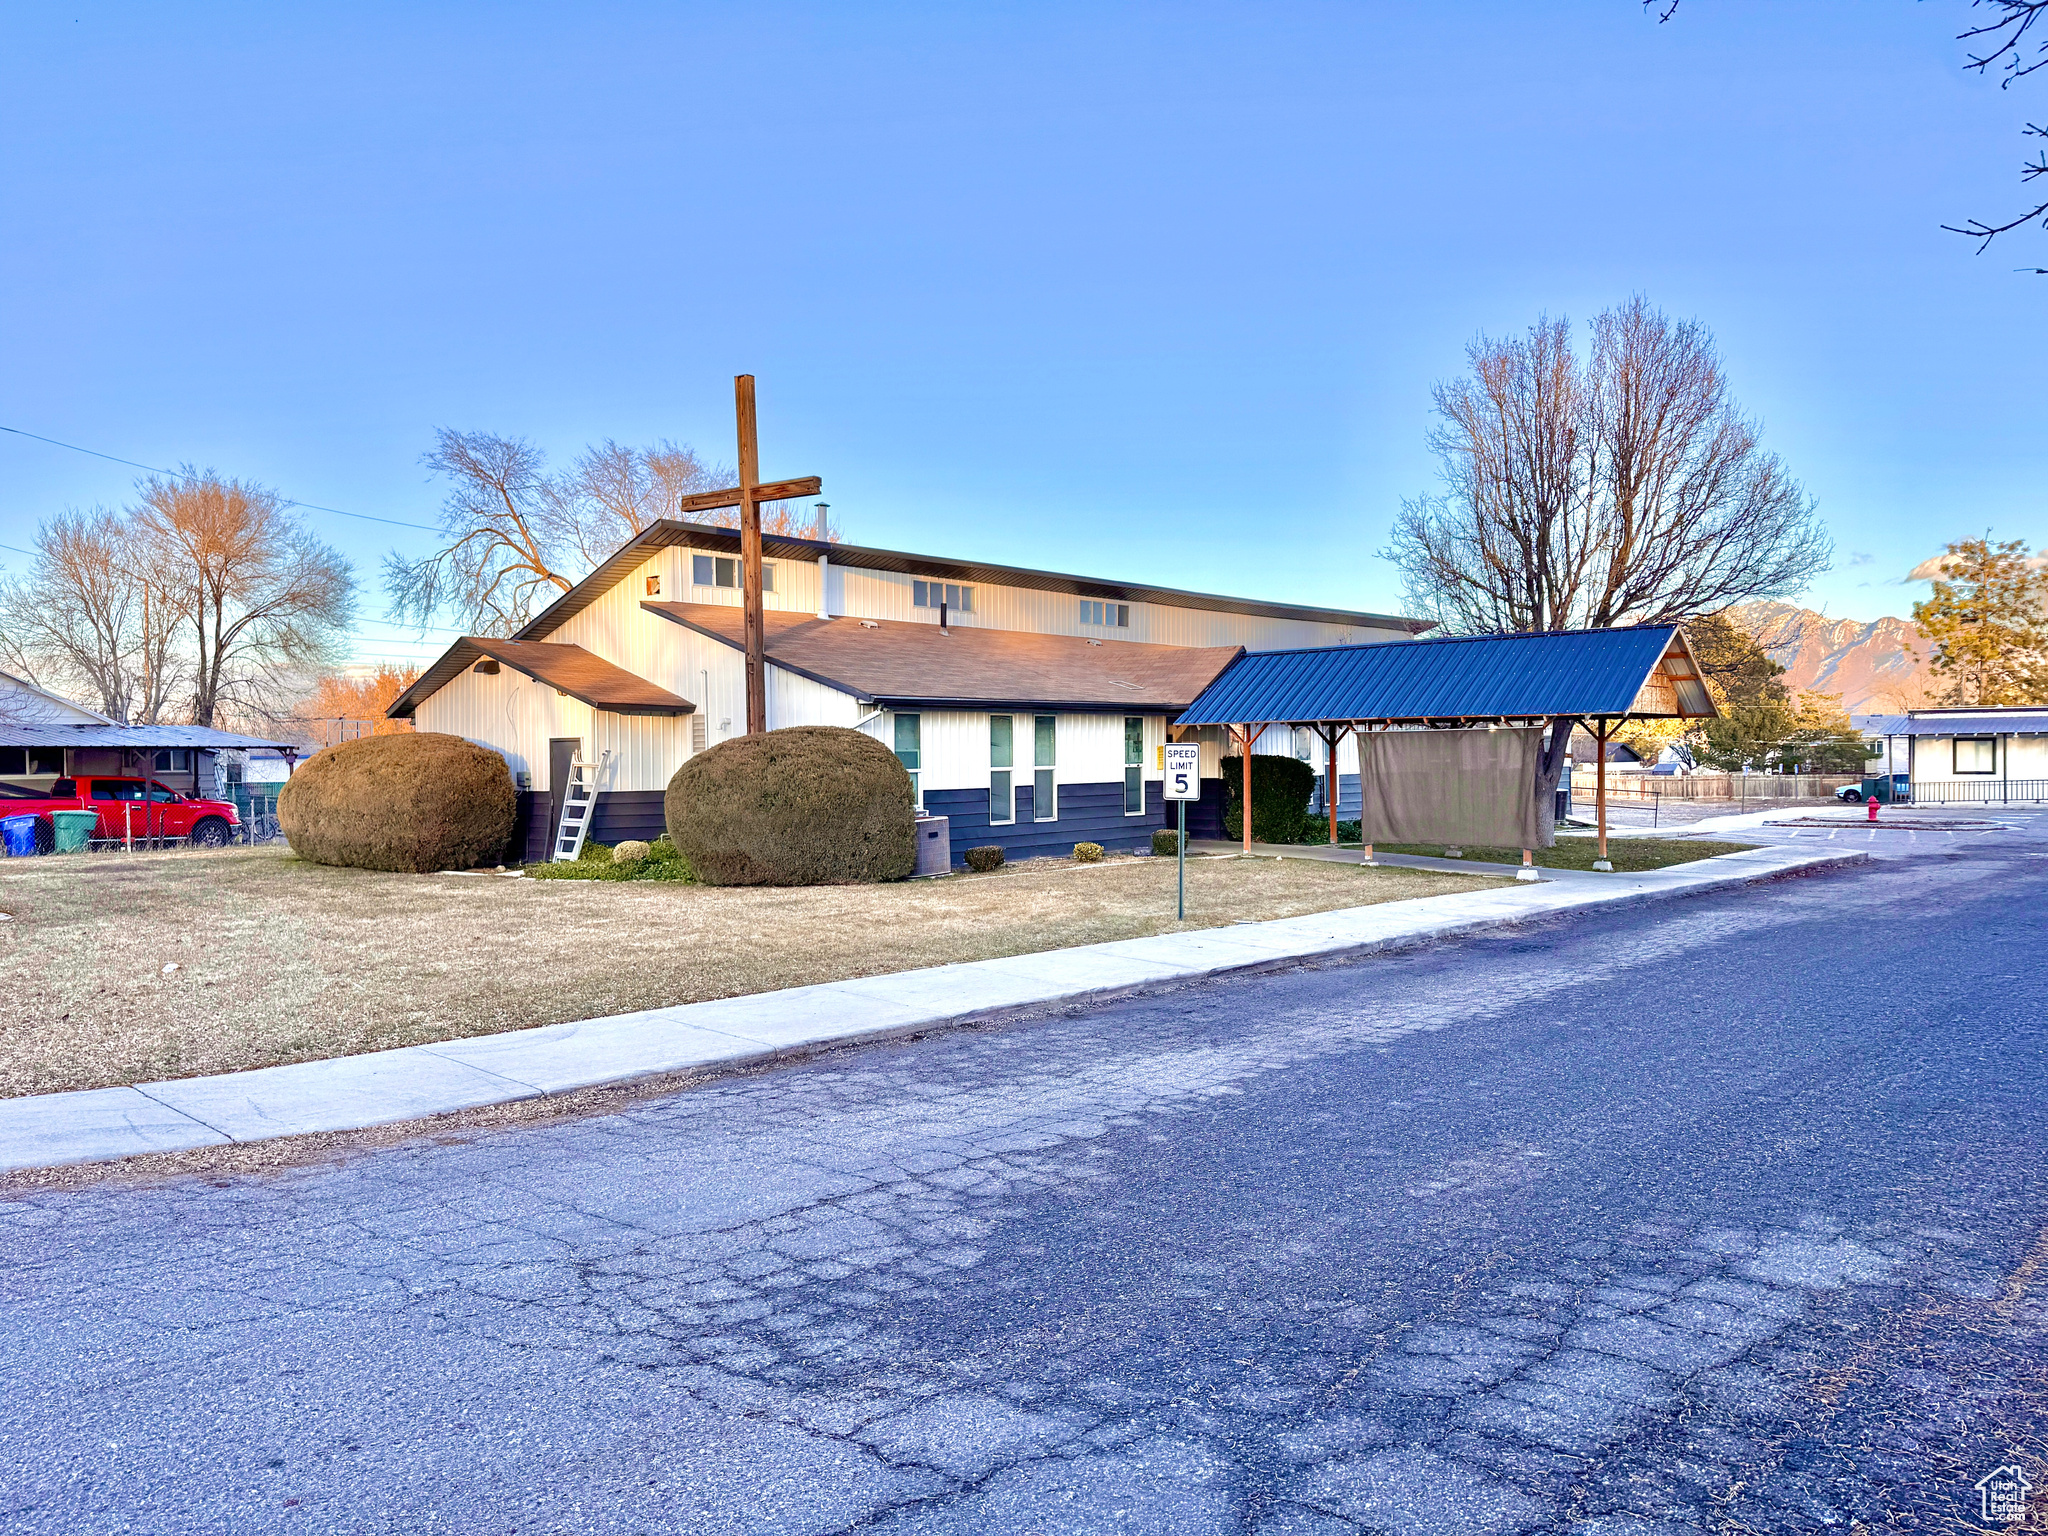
x: 154, y: 470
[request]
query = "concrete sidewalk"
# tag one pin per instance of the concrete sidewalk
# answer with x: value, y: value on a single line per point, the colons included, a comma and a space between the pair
x: 383, y: 1087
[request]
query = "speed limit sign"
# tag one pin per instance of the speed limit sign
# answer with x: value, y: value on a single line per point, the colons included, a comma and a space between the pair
x: 1184, y: 772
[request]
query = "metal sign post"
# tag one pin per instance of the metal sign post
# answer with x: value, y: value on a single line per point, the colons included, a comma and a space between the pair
x: 1183, y: 783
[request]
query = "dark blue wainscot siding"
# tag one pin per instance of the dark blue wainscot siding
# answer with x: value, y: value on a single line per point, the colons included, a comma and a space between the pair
x: 1347, y: 797
x: 629, y: 813
x: 1205, y: 816
x: 620, y: 814
x: 1089, y: 813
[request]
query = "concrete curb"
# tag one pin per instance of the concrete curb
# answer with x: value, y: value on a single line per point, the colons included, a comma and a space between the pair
x: 418, y: 1081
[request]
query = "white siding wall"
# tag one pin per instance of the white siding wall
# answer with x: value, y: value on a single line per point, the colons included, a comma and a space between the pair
x: 516, y: 717
x: 2019, y: 757
x: 867, y: 594
x: 953, y: 747
x: 1274, y: 741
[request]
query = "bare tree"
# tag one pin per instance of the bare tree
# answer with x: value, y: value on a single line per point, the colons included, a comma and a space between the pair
x: 2004, y: 42
x: 613, y: 492
x: 70, y: 623
x: 502, y: 519
x: 92, y: 621
x: 519, y: 535
x: 1626, y: 488
x: 259, y: 600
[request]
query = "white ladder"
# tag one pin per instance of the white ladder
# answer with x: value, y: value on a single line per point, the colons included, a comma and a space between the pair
x: 579, y: 800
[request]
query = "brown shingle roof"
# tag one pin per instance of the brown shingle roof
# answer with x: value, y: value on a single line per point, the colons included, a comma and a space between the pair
x: 568, y: 667
x: 897, y: 664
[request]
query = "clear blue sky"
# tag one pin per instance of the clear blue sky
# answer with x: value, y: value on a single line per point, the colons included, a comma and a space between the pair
x: 1143, y: 291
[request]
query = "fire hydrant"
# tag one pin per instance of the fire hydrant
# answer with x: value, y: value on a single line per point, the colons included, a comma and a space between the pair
x: 1873, y: 805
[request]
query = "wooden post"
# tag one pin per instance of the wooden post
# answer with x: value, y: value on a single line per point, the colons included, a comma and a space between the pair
x: 1249, y: 737
x: 750, y: 557
x: 1358, y: 735
x: 1600, y: 791
x: 1330, y: 782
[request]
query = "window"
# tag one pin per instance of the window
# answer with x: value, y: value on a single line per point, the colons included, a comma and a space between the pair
x: 1976, y: 754
x: 173, y: 760
x: 116, y: 789
x: 929, y: 594
x: 1134, y: 765
x: 1045, y: 739
x: 1002, y: 798
x: 1108, y: 615
x: 722, y: 571
x: 14, y: 760
x: 909, y: 729
x: 31, y: 760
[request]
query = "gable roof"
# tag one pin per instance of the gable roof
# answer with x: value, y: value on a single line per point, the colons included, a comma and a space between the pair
x: 40, y: 706
x: 569, y: 668
x: 894, y: 664
x: 726, y: 541
x: 1644, y: 671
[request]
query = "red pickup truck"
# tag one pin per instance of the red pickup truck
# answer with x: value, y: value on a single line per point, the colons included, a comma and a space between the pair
x: 138, y: 808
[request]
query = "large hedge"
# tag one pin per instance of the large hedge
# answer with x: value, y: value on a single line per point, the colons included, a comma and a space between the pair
x: 415, y: 803
x: 1281, y: 789
x: 808, y: 805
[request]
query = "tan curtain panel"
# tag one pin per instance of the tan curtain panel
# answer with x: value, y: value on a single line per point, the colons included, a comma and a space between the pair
x: 1476, y: 787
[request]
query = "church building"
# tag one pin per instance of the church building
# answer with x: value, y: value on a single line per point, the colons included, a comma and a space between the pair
x: 1028, y: 706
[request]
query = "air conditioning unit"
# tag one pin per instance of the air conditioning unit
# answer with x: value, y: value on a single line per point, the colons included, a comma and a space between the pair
x: 934, y: 846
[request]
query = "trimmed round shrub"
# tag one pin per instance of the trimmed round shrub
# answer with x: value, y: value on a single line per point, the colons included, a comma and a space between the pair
x: 1087, y: 853
x: 1281, y: 790
x: 630, y: 850
x: 807, y: 805
x: 982, y: 860
x: 1165, y: 842
x: 412, y: 802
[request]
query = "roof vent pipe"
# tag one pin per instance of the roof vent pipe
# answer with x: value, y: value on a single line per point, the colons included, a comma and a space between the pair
x: 942, y: 616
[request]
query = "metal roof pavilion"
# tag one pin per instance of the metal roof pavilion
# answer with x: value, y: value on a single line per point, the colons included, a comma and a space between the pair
x: 1646, y: 671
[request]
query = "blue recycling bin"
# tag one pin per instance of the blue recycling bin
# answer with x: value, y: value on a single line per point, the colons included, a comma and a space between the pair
x: 20, y: 835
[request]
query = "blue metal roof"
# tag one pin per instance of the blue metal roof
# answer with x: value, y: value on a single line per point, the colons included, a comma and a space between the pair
x: 1483, y: 677
x: 144, y: 737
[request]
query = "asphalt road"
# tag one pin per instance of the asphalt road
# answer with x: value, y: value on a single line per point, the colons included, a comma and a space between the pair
x: 1727, y: 1214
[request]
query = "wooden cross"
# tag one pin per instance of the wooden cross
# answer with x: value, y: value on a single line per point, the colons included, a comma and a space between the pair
x: 748, y: 496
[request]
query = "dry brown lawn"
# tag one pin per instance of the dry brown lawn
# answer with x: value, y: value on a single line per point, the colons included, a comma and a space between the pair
x: 281, y: 960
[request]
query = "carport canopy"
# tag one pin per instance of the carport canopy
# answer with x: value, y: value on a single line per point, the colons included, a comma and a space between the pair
x: 1602, y: 675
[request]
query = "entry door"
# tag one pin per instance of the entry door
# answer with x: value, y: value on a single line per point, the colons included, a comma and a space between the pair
x: 561, y: 752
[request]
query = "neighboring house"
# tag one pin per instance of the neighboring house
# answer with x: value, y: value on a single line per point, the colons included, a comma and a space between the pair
x: 1965, y: 755
x: 44, y: 738
x: 1585, y: 750
x: 1032, y: 717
